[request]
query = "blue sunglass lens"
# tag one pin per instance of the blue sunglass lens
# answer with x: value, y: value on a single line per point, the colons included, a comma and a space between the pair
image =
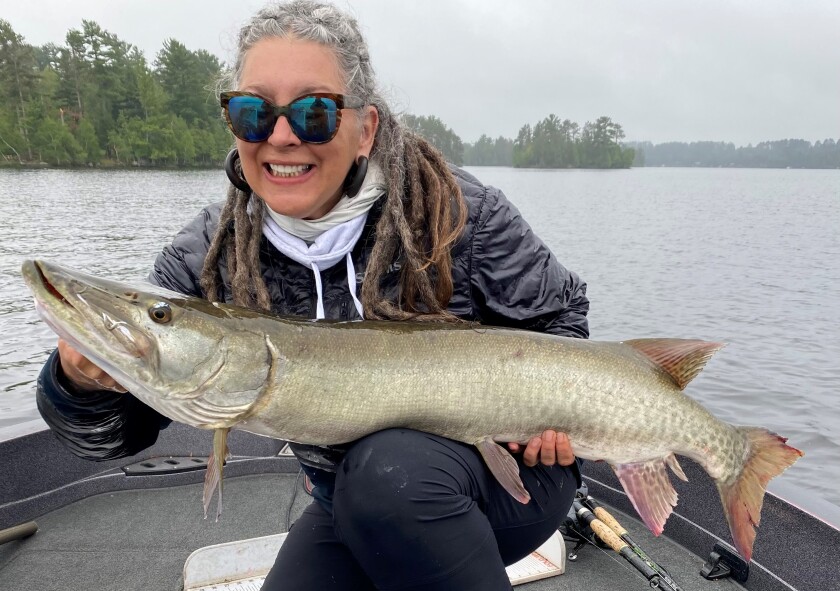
x: 251, y: 117
x: 314, y: 118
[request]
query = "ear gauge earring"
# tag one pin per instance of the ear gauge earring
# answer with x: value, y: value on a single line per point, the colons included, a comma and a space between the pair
x: 233, y: 170
x: 356, y: 176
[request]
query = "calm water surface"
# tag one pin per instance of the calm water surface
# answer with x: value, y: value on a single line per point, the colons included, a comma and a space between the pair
x: 749, y: 257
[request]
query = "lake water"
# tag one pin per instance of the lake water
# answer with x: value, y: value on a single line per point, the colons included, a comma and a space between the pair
x: 749, y: 257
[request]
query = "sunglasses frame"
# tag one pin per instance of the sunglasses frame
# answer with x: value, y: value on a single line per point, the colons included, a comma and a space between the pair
x: 341, y: 102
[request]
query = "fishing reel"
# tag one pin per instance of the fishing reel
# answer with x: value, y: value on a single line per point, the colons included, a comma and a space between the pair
x: 577, y: 531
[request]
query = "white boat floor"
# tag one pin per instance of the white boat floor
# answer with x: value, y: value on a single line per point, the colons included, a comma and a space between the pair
x: 140, y: 539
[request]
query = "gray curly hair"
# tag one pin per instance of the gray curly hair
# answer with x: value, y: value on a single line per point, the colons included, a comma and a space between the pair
x: 424, y: 212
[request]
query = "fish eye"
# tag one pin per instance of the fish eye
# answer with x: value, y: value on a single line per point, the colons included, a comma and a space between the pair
x: 161, y: 313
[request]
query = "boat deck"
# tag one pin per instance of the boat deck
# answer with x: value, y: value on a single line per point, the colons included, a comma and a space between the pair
x: 140, y: 539
x: 103, y: 529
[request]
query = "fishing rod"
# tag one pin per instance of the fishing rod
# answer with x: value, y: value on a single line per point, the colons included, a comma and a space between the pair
x: 601, y: 513
x: 603, y: 531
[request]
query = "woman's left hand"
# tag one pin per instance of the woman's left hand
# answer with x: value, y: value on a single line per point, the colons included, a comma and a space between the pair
x: 549, y: 449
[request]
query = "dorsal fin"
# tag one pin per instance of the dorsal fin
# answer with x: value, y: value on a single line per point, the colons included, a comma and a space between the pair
x: 682, y: 359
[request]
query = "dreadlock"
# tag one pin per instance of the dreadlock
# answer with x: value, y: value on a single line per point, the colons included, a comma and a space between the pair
x: 424, y: 211
x: 241, y: 253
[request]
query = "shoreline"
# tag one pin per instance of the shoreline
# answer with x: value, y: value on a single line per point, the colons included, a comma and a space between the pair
x: 6, y: 165
x: 102, y: 166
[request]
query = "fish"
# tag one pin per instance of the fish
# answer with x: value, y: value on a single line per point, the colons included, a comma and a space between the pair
x: 221, y: 367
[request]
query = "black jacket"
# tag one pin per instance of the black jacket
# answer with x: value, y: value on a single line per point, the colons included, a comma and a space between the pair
x: 503, y: 275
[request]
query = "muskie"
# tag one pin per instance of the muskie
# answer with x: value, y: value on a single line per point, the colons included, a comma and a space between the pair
x: 219, y: 367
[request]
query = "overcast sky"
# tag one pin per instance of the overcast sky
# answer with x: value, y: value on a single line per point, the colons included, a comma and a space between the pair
x: 733, y: 70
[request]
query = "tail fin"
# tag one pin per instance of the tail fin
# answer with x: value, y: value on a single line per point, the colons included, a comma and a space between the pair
x: 768, y: 457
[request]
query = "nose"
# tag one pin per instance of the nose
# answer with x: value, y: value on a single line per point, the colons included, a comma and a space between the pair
x: 282, y: 135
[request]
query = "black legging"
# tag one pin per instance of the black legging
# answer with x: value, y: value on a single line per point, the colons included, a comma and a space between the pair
x: 420, y: 512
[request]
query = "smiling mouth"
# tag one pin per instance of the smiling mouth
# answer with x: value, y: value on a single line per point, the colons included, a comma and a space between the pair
x: 286, y: 171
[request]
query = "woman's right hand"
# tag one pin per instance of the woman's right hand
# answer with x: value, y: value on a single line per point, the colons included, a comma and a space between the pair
x: 82, y: 373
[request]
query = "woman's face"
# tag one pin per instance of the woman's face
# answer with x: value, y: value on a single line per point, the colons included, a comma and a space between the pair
x: 311, y: 182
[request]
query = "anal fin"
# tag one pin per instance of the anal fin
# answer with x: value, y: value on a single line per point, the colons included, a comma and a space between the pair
x: 675, y: 467
x: 213, y: 477
x: 650, y: 490
x: 504, y: 468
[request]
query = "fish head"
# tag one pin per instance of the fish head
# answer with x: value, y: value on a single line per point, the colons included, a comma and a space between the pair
x: 186, y: 357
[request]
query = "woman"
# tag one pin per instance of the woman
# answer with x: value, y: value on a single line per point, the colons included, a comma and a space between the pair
x: 331, y: 193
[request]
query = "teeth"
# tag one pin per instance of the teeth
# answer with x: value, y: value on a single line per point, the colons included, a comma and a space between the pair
x: 288, y: 171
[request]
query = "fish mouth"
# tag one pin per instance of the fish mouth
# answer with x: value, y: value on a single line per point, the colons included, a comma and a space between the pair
x: 50, y: 302
x: 75, y: 310
x: 50, y: 288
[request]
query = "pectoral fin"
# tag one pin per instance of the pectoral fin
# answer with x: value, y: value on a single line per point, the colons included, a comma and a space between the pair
x: 504, y: 468
x: 650, y: 490
x: 213, y: 478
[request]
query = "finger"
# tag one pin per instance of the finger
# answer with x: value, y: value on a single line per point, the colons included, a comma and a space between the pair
x: 513, y: 447
x: 109, y: 383
x: 67, y: 354
x: 102, y: 380
x: 82, y: 372
x: 548, y: 451
x: 78, y: 368
x: 563, y: 448
x: 74, y: 363
x: 532, y: 452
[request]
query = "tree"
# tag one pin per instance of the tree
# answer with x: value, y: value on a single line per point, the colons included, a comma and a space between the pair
x: 18, y: 73
x: 480, y: 153
x: 186, y: 78
x: 184, y: 143
x: 553, y: 143
x: 212, y: 142
x: 570, y: 139
x: 523, y: 147
x: 12, y: 144
x: 211, y: 68
x: 601, y: 145
x: 55, y: 144
x: 89, y: 143
x: 151, y: 95
x: 437, y: 134
x: 792, y: 153
x: 487, y: 152
x: 110, y: 93
x: 95, y: 73
x: 73, y: 73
